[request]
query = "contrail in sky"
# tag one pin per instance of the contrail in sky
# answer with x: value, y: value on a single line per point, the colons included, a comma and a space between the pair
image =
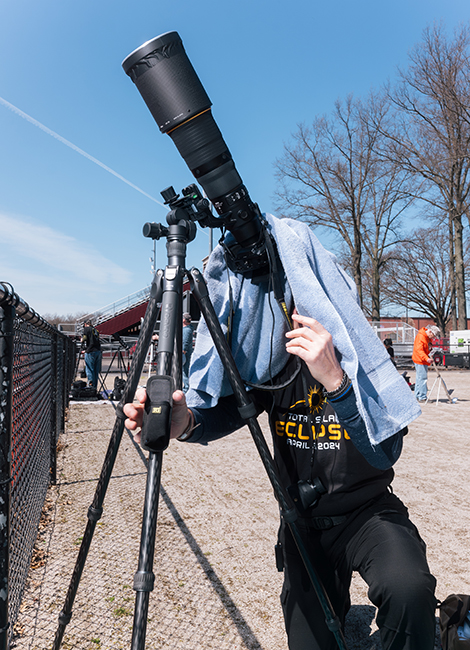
x: 74, y: 147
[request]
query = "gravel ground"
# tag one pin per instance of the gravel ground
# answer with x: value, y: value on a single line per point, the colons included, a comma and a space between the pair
x: 216, y: 583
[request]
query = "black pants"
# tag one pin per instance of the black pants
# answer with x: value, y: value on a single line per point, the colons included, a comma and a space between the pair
x: 382, y: 544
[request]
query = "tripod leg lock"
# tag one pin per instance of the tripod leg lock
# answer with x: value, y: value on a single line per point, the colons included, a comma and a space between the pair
x: 65, y: 617
x: 143, y: 581
x: 279, y: 555
x: 94, y: 514
x: 156, y: 424
x: 289, y: 516
x: 248, y: 411
x: 333, y: 624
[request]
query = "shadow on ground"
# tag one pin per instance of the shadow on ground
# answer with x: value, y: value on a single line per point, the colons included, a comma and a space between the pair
x: 358, y: 629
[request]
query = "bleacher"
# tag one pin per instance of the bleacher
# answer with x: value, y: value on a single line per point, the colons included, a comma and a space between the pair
x: 120, y: 317
x: 124, y: 316
x: 402, y: 335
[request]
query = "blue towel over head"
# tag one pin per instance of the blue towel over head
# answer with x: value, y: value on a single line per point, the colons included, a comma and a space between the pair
x: 319, y: 288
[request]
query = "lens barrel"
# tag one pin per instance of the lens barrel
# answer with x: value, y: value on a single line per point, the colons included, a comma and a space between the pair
x: 180, y: 106
x: 167, y: 81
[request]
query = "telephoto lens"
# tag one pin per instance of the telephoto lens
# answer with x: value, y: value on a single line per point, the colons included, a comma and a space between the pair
x: 170, y: 87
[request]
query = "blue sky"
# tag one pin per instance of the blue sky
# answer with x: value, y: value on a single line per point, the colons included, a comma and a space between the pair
x: 70, y: 230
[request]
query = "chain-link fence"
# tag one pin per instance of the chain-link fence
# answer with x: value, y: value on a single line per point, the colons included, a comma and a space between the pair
x: 36, y: 371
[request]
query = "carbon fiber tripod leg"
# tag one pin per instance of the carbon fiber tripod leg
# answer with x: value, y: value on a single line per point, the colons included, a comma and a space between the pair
x: 247, y: 411
x: 96, y: 508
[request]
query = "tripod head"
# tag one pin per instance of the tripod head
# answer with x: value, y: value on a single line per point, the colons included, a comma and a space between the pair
x: 184, y: 212
x: 181, y: 219
x: 254, y: 261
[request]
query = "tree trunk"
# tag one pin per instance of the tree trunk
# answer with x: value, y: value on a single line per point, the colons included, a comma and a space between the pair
x: 441, y: 325
x: 460, y: 274
x: 375, y: 294
x: 452, y: 273
x: 357, y: 260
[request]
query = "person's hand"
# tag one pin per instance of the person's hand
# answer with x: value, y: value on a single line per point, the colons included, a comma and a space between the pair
x: 180, y: 415
x: 312, y: 343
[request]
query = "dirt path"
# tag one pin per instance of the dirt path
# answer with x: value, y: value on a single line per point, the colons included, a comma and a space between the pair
x: 216, y: 583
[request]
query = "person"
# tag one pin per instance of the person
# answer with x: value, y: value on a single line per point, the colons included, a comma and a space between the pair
x: 389, y: 347
x: 351, y: 521
x: 422, y: 359
x: 188, y: 332
x: 93, y: 354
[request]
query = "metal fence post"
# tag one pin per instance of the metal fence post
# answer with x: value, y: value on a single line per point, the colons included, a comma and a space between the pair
x: 56, y: 397
x: 7, y: 314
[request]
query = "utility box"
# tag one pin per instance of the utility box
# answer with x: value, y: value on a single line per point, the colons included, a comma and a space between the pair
x: 456, y: 360
x: 459, y: 342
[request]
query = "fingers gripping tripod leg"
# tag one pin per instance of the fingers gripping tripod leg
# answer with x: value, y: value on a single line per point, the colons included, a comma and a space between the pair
x: 96, y: 508
x: 247, y: 411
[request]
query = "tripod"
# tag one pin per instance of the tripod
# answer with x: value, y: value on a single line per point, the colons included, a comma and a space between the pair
x: 440, y: 382
x: 121, y: 365
x: 168, y: 287
x: 77, y: 363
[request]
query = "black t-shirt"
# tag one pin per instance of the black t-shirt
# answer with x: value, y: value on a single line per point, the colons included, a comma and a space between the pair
x: 91, y: 338
x: 331, y: 456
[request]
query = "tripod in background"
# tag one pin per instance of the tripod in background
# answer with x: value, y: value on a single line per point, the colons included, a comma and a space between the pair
x: 440, y: 382
x: 122, y: 369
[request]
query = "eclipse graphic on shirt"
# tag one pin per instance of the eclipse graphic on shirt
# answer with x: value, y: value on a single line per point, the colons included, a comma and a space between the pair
x: 316, y: 399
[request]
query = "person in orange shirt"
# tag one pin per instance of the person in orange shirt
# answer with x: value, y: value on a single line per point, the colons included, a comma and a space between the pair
x: 422, y: 360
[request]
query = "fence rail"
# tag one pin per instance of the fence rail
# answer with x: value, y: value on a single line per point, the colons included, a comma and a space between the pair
x: 36, y: 372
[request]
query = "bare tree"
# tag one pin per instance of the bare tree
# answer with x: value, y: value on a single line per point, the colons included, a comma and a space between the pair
x: 56, y: 319
x: 373, y: 302
x: 432, y: 134
x: 417, y: 275
x: 332, y: 176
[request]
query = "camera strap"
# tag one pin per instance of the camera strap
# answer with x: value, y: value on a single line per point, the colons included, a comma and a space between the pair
x: 277, y: 274
x: 278, y: 291
x: 232, y: 310
x: 275, y: 387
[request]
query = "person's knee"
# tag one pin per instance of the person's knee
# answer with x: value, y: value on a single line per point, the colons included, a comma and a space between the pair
x: 409, y: 591
x: 406, y: 605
